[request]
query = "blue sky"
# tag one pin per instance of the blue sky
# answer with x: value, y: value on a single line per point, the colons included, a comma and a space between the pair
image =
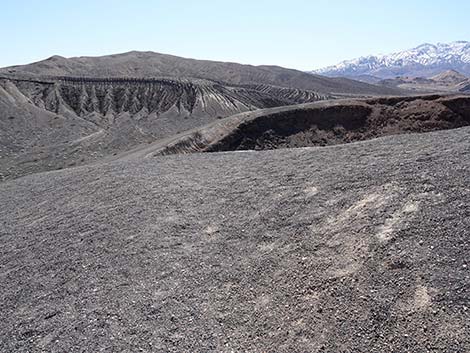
x: 298, y: 34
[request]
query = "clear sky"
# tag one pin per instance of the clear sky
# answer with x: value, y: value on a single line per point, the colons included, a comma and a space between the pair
x: 291, y: 33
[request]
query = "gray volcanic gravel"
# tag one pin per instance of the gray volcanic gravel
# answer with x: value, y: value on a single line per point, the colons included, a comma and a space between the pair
x: 55, y: 123
x: 350, y: 248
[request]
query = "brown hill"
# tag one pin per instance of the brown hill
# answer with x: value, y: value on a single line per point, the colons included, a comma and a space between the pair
x: 447, y: 81
x: 450, y: 77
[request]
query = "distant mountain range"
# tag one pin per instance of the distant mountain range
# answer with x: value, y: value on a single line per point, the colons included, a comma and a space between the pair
x: 426, y: 60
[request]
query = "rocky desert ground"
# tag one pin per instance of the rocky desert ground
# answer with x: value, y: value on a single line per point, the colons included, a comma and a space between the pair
x: 229, y: 208
x: 359, y: 247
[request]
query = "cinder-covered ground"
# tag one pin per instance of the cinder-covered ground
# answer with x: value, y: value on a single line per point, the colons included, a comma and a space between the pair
x: 59, y: 122
x: 350, y: 248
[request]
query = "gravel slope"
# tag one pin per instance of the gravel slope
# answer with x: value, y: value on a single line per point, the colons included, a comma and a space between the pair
x: 350, y: 248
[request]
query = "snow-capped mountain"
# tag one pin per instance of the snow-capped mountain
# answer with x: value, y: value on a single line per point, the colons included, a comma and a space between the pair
x: 425, y: 60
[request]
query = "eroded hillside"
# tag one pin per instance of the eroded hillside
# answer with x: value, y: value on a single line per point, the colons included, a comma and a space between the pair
x: 56, y: 122
x: 132, y: 95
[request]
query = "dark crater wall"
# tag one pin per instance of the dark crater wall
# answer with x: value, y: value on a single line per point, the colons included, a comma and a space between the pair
x: 346, y: 123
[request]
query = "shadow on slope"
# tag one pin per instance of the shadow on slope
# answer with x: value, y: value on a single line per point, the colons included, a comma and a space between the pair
x: 326, y: 123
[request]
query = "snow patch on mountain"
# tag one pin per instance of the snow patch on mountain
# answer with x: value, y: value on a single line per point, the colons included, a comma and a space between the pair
x: 425, y: 60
